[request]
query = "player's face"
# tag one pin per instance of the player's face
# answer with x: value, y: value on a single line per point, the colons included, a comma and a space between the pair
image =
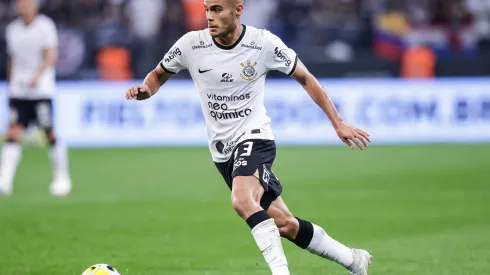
x: 26, y: 7
x: 222, y: 16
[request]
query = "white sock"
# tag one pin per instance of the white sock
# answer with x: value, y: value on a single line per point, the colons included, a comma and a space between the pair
x: 11, y: 154
x: 326, y: 247
x: 266, y: 234
x: 59, y: 159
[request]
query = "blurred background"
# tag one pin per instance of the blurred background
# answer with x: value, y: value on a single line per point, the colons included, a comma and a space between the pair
x: 336, y: 38
x: 147, y: 198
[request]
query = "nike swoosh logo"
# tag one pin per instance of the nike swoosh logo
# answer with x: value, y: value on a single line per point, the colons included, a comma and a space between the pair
x: 201, y: 72
x: 267, y: 249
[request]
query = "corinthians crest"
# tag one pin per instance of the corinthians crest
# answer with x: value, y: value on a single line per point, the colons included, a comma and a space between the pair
x: 249, y: 72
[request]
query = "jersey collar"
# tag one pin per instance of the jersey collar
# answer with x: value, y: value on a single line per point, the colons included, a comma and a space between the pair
x: 234, y: 44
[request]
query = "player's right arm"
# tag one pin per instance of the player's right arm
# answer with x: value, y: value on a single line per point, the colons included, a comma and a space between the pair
x: 152, y: 83
x: 173, y: 61
x: 281, y: 58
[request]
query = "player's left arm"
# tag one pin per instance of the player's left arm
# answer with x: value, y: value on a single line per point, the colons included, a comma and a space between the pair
x: 49, y: 59
x: 50, y: 53
x: 347, y: 133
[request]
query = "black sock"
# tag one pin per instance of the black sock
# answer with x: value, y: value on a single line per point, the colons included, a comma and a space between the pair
x: 257, y: 218
x: 305, y: 234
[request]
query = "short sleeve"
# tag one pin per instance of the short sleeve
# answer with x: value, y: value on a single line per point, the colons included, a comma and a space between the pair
x: 279, y: 57
x: 175, y: 59
x: 51, y: 35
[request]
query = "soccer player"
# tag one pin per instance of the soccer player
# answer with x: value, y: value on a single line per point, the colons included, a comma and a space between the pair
x: 228, y: 63
x: 32, y: 42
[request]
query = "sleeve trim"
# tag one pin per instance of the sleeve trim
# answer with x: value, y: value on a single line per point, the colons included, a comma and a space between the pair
x: 165, y: 69
x: 293, y: 70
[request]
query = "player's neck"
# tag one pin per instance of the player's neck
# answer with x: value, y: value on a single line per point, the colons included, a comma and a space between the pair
x: 232, y: 37
x: 27, y: 19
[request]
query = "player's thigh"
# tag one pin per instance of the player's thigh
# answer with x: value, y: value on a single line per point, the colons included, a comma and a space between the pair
x: 19, y: 117
x: 247, y: 188
x: 43, y: 110
x: 20, y: 113
x: 253, y: 159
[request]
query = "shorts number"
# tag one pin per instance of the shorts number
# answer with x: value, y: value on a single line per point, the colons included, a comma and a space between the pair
x: 248, y: 149
x: 43, y: 111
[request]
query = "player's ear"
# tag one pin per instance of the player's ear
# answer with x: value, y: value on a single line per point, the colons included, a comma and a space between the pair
x: 239, y: 9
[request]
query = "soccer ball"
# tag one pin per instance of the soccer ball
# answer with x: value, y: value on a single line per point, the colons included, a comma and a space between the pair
x: 101, y: 269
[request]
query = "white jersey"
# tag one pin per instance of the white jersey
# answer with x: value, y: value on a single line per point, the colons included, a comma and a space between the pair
x: 230, y: 82
x: 26, y: 45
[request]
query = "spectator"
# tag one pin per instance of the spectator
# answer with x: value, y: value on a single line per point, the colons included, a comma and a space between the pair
x: 141, y: 31
x: 144, y: 21
x: 258, y: 13
x: 195, y: 15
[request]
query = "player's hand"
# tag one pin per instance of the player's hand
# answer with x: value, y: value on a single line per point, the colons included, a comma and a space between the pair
x: 138, y: 92
x: 33, y: 82
x: 350, y: 134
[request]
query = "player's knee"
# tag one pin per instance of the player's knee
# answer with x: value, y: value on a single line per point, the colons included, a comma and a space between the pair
x: 241, y: 203
x: 13, y: 133
x: 288, y: 226
x: 51, y: 137
x: 244, y: 205
x: 245, y: 195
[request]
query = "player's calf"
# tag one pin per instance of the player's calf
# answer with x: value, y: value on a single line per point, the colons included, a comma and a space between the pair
x: 50, y: 136
x: 246, y: 194
x: 61, y: 183
x: 288, y: 228
x: 10, y: 158
x: 288, y: 225
x: 312, y: 237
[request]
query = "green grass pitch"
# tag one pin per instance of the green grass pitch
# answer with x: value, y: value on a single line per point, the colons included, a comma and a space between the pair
x: 420, y: 210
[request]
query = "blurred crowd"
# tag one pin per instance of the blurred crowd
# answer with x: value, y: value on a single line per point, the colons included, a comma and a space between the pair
x: 97, y: 36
